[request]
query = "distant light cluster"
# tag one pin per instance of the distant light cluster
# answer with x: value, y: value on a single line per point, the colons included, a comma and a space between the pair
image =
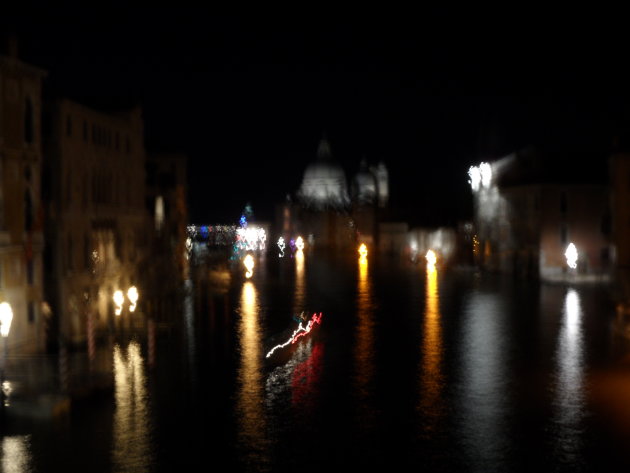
x: 251, y: 238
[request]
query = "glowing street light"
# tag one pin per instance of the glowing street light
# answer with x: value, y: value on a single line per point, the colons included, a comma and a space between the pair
x: 132, y: 295
x: 363, y: 251
x: 6, y: 316
x: 249, y: 264
x: 431, y: 259
x: 572, y: 256
x: 299, y: 243
x: 281, y: 245
x: 119, y: 298
x: 480, y: 176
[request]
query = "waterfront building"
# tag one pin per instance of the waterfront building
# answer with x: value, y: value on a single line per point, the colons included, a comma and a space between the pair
x: 21, y: 235
x: 97, y: 224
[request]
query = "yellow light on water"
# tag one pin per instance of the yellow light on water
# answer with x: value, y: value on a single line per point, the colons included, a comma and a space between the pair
x: 119, y: 298
x: 249, y: 264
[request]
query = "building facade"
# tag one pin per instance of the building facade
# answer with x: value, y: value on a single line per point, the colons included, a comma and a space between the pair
x: 620, y: 216
x: 21, y: 236
x: 544, y: 219
x: 166, y: 205
x: 97, y: 226
x: 525, y: 218
x: 328, y: 212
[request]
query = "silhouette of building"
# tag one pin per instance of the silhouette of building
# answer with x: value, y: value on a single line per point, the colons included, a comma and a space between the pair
x: 97, y: 225
x: 530, y: 205
x: 21, y: 236
x: 327, y: 212
x: 166, y: 205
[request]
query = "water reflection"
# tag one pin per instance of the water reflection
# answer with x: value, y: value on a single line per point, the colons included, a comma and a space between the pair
x: 483, y: 406
x: 431, y: 379
x: 569, y: 400
x: 16, y: 454
x: 189, y: 326
x: 132, y: 430
x: 296, y: 382
x: 250, y: 413
x: 300, y: 286
x: 364, y: 348
x: 306, y: 376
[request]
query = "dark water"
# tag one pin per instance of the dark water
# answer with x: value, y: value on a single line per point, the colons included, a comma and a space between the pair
x: 430, y: 370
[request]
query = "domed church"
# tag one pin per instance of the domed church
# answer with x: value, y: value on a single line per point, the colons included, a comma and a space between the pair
x: 325, y: 214
x: 324, y: 183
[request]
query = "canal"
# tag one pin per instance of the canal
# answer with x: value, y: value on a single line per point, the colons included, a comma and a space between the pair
x: 436, y: 370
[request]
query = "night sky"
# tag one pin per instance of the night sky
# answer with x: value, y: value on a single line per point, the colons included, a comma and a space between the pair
x: 247, y: 99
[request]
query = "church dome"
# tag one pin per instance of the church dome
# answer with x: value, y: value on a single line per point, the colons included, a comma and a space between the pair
x: 324, y: 182
x: 364, y: 185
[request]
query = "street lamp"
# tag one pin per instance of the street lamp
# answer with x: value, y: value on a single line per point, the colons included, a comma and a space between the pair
x: 118, y: 300
x: 132, y: 295
x: 6, y: 316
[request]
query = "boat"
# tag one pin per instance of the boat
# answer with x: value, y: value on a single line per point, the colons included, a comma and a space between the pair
x: 280, y: 346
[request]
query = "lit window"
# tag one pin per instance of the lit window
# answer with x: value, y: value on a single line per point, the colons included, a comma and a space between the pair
x: 159, y: 212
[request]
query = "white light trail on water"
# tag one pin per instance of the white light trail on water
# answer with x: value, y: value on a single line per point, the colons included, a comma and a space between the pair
x: 299, y: 332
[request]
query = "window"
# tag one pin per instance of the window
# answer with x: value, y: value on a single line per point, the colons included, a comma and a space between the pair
x: 30, y: 272
x: 28, y: 211
x: 68, y: 126
x: 563, y: 203
x: 563, y: 233
x: 70, y: 261
x: 606, y: 225
x: 31, y: 312
x: 87, y: 252
x: 29, y: 126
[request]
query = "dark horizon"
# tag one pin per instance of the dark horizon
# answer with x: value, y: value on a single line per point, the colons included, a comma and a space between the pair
x: 247, y: 102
